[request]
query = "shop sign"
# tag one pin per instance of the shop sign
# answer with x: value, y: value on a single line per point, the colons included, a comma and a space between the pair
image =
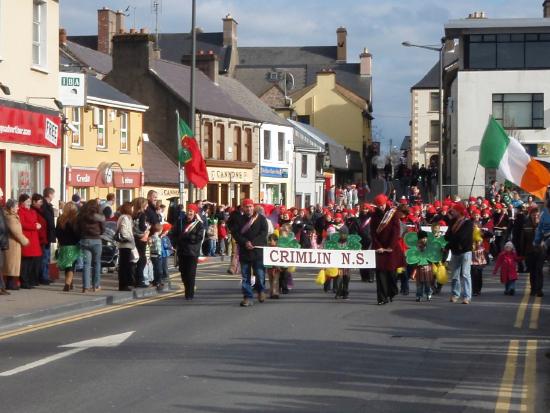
x: 28, y: 127
x: 272, y: 172
x: 80, y: 177
x: 72, y: 89
x: 127, y: 180
x: 229, y: 175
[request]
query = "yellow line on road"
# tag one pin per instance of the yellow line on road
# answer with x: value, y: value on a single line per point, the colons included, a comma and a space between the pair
x: 535, y: 313
x: 77, y: 317
x: 529, y: 378
x: 507, y: 383
x: 522, y: 309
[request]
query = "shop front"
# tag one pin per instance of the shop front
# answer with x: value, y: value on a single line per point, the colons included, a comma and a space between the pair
x: 274, y: 185
x: 92, y: 183
x: 29, y: 145
x: 228, y: 186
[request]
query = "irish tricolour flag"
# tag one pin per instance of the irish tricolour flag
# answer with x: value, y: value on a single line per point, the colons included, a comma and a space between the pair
x: 505, y: 154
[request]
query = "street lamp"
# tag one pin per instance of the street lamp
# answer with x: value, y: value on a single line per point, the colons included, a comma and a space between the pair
x: 440, y: 49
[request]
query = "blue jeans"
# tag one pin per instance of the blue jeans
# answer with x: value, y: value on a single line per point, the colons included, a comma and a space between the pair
x: 91, y: 250
x: 45, y: 265
x: 259, y: 272
x: 423, y: 288
x: 212, y: 247
x: 510, y: 285
x: 157, y: 269
x: 462, y: 280
x: 164, y: 268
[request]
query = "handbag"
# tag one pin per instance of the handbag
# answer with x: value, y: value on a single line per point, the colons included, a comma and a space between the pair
x: 135, y: 255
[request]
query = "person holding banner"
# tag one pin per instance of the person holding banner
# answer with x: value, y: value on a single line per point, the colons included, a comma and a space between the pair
x: 189, y: 248
x: 364, y: 233
x: 251, y: 234
x: 385, y: 232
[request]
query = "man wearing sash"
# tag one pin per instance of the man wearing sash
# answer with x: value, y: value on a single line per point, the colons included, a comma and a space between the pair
x: 189, y: 246
x: 251, y: 234
x: 385, y: 233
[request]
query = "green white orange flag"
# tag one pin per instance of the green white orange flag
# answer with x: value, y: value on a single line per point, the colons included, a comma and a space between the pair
x: 505, y: 154
x: 190, y: 156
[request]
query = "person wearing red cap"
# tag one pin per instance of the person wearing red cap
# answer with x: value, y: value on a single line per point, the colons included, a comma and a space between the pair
x: 460, y: 238
x: 500, y: 225
x: 385, y: 230
x: 251, y: 234
x: 189, y: 244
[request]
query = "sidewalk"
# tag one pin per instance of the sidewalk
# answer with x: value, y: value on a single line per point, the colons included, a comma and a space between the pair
x: 29, y: 306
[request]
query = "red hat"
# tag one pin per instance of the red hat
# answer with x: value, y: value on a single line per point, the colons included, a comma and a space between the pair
x: 498, y: 206
x: 338, y: 215
x: 472, y: 199
x: 403, y: 201
x: 445, y: 208
x: 432, y: 210
x: 486, y: 202
x: 460, y: 208
x: 365, y: 206
x: 166, y: 227
x: 380, y: 200
x: 282, y: 209
x: 475, y: 211
x: 193, y: 207
x: 248, y: 202
x: 442, y: 223
x: 437, y: 204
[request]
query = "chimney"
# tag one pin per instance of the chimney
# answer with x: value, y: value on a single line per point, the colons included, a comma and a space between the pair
x: 119, y: 25
x: 132, y: 51
x: 229, y: 31
x: 341, y: 44
x: 365, y: 63
x: 62, y: 37
x: 207, y: 62
x: 477, y: 15
x: 546, y: 8
x: 106, y: 29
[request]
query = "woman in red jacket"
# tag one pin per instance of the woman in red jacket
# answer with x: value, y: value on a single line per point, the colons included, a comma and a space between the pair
x: 32, y: 253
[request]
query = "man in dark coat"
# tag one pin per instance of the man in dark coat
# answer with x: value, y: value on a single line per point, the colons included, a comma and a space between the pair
x: 47, y: 213
x: 385, y: 231
x: 151, y: 216
x: 250, y: 235
x: 364, y: 233
x: 4, y: 238
x: 189, y: 245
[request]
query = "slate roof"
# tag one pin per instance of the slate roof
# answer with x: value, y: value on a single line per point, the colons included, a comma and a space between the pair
x: 250, y: 101
x: 99, y: 89
x: 210, y: 98
x: 99, y: 62
x: 430, y: 79
x: 159, y: 169
x: 256, y: 78
x: 286, y: 56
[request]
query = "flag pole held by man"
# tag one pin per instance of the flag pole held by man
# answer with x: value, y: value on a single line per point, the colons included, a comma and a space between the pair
x: 190, y: 156
x: 505, y: 154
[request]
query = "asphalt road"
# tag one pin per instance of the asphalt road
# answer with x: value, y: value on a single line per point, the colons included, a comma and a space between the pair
x: 306, y: 352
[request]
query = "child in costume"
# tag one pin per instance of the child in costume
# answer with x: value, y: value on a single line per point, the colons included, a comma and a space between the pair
x: 273, y: 273
x: 342, y: 280
x: 423, y: 272
x: 507, y: 264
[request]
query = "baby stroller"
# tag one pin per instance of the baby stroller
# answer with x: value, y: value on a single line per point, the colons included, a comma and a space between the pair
x: 109, y: 249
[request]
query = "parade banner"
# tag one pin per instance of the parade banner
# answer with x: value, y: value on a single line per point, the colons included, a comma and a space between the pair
x: 318, y: 258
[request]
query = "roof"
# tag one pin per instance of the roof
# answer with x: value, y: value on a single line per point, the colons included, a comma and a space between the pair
x: 406, y: 144
x: 286, y: 56
x: 431, y: 79
x: 99, y: 62
x: 99, y: 89
x: 454, y: 28
x: 158, y: 168
x: 210, y: 98
x: 250, y: 101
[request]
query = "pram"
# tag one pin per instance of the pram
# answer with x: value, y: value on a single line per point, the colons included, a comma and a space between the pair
x: 109, y: 249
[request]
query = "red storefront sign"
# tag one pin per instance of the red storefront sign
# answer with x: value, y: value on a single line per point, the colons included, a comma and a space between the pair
x: 31, y: 128
x: 127, y: 180
x: 80, y: 177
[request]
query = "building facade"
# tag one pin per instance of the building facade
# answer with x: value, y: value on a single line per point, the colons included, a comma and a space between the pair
x: 30, y: 121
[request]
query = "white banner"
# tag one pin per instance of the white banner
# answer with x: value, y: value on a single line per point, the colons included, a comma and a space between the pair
x: 313, y: 258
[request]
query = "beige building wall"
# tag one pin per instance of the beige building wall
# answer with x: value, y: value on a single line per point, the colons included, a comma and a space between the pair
x: 421, y: 118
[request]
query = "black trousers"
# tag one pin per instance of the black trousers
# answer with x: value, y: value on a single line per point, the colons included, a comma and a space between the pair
x: 477, y: 278
x: 140, y: 266
x: 535, y: 264
x: 188, y: 271
x: 366, y: 275
x: 30, y: 271
x: 283, y: 280
x: 342, y: 285
x: 386, y: 285
x: 126, y: 268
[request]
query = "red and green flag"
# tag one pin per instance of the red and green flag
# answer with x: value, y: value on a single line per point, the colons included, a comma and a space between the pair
x: 190, y: 156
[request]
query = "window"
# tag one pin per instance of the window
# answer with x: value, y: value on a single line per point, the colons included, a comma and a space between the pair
x: 434, y: 102
x: 208, y: 144
x: 124, y: 132
x: 28, y: 174
x: 434, y: 130
x: 100, y: 124
x: 267, y: 144
x: 304, y: 165
x: 221, y: 142
x: 39, y: 34
x: 519, y: 110
x: 75, y: 120
x: 248, y: 145
x: 281, y: 146
x: 508, y: 51
x: 303, y: 119
x: 237, y: 152
x: 83, y: 193
x: 123, y: 195
x: 308, y: 201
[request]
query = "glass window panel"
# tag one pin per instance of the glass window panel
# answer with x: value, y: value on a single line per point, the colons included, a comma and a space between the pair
x: 544, y: 36
x: 531, y: 37
x: 538, y: 97
x: 267, y: 144
x: 510, y: 55
x: 476, y: 38
x: 434, y: 130
x: 281, y: 146
x: 483, y: 56
x: 517, y: 115
x: 434, y: 101
x: 538, y: 110
x: 304, y: 165
x: 537, y: 55
x: 503, y: 38
x: 518, y: 97
x: 489, y: 37
x: 518, y: 37
x: 497, y: 110
x: 497, y: 97
x: 538, y: 123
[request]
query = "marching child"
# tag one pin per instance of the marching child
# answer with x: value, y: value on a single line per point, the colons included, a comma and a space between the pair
x: 342, y: 280
x: 423, y: 274
x: 507, y: 264
x: 273, y: 273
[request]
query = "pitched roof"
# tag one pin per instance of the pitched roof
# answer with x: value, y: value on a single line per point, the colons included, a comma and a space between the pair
x: 257, y: 78
x: 286, y: 56
x: 159, y: 169
x: 430, y: 79
x: 99, y: 89
x: 210, y: 98
x: 250, y: 101
x: 99, y: 62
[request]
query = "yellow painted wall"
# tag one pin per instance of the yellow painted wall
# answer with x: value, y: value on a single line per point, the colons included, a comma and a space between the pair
x: 333, y: 114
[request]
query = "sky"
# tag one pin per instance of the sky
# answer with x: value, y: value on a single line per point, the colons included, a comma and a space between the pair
x: 379, y: 25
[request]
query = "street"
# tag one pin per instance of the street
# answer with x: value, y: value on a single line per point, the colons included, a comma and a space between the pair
x: 306, y: 352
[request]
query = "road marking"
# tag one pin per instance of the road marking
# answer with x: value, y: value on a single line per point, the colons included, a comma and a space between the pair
x: 108, y: 341
x: 535, y: 314
x: 83, y: 316
x: 522, y: 309
x: 507, y: 383
x: 529, y: 378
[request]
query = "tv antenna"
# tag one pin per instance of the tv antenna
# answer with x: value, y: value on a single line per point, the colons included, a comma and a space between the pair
x: 156, y: 8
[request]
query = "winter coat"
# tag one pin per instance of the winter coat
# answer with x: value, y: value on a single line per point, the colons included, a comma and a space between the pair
x: 43, y: 231
x: 4, y: 233
x: 190, y: 238
x: 12, y: 262
x: 67, y: 235
x: 461, y: 239
x: 90, y: 226
x: 256, y: 234
x: 506, y: 263
x: 49, y: 216
x: 29, y: 219
x: 125, y: 227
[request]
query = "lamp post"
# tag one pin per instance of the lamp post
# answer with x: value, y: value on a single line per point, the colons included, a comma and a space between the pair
x: 440, y: 49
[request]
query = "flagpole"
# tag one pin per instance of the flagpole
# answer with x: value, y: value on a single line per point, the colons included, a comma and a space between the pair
x: 192, y: 77
x: 473, y: 181
x: 181, y: 171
